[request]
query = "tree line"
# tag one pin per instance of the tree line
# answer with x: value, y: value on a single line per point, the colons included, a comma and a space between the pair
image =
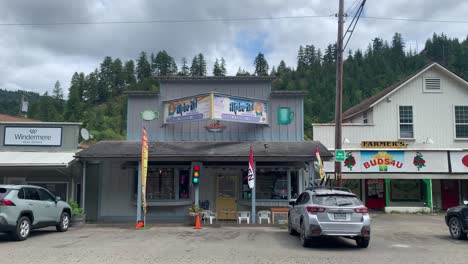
x: 97, y: 99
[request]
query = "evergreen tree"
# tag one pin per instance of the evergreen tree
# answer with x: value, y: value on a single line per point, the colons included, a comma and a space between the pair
x: 195, y: 67
x: 57, y: 93
x: 184, y: 70
x: 129, y: 75
x: 217, y: 68
x: 74, y: 103
x: 118, y: 78
x: 223, y: 67
x: 261, y: 65
x: 198, y: 67
x: 164, y: 65
x: 143, y: 69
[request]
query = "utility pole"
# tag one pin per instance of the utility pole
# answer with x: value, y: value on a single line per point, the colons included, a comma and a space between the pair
x: 339, y: 89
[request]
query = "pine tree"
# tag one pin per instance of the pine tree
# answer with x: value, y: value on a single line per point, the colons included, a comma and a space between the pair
x: 129, y: 75
x: 184, y: 69
x: 118, y: 78
x: 164, y: 65
x: 143, y: 69
x: 217, y: 68
x: 57, y: 93
x: 194, y: 68
x: 202, y: 65
x: 74, y: 103
x: 261, y: 65
x: 223, y: 67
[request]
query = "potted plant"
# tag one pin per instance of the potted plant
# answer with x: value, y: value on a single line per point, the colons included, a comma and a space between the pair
x: 78, y: 216
x: 194, y: 210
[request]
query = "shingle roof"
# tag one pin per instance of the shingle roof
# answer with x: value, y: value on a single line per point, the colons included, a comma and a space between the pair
x: 207, y: 151
x: 9, y: 118
x: 288, y: 93
x: 216, y: 78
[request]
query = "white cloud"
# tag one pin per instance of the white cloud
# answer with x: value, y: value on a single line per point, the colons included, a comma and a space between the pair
x: 34, y: 57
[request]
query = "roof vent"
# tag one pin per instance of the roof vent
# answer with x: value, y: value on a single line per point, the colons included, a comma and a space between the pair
x: 432, y: 84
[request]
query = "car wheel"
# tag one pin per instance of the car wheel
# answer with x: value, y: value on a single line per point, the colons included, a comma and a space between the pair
x: 362, y: 242
x: 304, y: 241
x: 23, y: 228
x: 64, y: 222
x: 291, y: 230
x: 455, y: 228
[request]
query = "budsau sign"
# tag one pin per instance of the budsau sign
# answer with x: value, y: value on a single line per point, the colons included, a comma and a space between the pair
x: 33, y: 136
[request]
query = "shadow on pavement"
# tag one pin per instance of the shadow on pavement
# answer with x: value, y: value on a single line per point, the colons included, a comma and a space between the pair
x: 35, y: 233
x: 323, y: 243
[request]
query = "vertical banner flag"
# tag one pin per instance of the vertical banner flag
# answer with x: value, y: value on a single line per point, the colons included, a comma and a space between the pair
x: 251, y: 173
x: 144, y: 168
x: 320, y: 163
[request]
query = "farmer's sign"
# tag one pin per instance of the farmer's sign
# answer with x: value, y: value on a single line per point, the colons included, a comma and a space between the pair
x: 33, y: 136
x: 384, y: 144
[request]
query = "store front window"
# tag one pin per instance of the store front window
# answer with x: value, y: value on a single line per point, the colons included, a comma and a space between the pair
x: 273, y: 185
x: 165, y: 184
x: 407, y: 190
x: 57, y: 189
x: 353, y: 185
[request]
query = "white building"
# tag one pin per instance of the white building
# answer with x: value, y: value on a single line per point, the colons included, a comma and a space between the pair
x: 407, y: 147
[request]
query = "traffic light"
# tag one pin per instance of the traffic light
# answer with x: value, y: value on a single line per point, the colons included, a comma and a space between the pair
x: 196, y: 174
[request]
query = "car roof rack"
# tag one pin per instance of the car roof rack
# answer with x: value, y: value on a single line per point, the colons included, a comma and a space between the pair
x: 313, y: 188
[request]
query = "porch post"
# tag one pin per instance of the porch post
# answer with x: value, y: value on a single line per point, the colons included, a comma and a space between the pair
x: 311, y: 179
x: 428, y: 183
x: 139, y: 193
x: 387, y: 191
x: 253, y: 193
x: 83, y: 187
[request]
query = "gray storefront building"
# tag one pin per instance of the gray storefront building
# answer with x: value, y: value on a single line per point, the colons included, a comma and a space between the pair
x: 210, y: 122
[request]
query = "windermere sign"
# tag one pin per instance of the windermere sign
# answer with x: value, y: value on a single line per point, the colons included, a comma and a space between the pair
x: 33, y: 136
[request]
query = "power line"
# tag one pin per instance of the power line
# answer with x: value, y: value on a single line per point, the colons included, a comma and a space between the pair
x: 223, y: 20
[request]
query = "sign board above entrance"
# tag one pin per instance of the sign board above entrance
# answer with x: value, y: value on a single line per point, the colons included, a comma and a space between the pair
x: 33, y: 136
x: 384, y: 144
x: 216, y: 107
x: 240, y: 110
x: 187, y: 109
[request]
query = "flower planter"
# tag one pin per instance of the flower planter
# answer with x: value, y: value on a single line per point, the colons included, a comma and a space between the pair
x: 193, y: 218
x: 78, y: 220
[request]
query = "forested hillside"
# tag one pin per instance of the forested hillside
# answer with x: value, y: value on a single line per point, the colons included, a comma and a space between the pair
x: 98, y: 100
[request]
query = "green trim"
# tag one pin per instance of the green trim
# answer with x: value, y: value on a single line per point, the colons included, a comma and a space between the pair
x: 387, y: 191
x: 428, y: 183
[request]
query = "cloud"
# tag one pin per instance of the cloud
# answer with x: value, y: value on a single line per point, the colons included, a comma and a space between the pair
x: 34, y: 57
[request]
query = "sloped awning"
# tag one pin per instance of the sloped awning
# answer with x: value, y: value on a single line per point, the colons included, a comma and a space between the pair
x: 208, y: 151
x: 36, y: 159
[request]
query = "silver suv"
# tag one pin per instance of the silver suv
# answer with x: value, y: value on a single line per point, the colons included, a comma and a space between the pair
x: 27, y: 207
x: 329, y: 212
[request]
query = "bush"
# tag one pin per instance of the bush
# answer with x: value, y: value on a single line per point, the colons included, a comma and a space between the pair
x: 76, y: 210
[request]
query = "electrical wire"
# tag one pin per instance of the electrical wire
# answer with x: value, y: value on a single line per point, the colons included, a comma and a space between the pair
x: 224, y: 20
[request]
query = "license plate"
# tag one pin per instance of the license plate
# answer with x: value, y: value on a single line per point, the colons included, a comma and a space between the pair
x: 340, y: 216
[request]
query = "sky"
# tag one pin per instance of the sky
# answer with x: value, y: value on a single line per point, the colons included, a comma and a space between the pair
x: 33, y: 57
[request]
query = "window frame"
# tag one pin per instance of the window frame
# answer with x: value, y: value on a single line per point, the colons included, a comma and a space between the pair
x: 365, y: 117
x: 455, y: 123
x: 399, y: 122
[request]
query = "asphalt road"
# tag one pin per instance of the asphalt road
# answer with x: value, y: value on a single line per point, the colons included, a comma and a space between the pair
x: 395, y: 239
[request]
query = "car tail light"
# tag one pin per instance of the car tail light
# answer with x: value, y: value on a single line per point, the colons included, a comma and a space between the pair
x: 365, y: 233
x: 315, y: 209
x: 361, y: 210
x: 6, y: 203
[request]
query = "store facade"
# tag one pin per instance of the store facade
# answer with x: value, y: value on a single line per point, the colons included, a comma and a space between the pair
x: 406, y: 147
x: 209, y: 123
x: 42, y: 154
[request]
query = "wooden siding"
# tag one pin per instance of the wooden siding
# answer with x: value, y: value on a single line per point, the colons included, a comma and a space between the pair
x: 433, y: 115
x: 196, y: 131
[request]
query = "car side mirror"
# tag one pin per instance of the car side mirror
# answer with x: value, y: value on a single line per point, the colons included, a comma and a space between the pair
x: 292, y: 203
x: 465, y: 202
x: 57, y: 198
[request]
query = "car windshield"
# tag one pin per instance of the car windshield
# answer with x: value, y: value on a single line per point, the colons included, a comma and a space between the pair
x: 336, y: 200
x: 3, y: 193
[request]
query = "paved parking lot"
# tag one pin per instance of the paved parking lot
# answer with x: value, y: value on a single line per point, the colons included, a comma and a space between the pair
x: 395, y: 239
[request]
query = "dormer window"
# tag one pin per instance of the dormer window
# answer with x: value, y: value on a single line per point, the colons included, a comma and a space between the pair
x: 432, y: 85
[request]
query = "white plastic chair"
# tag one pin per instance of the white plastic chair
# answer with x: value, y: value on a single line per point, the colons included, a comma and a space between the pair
x: 243, y: 215
x: 208, y: 215
x: 264, y: 215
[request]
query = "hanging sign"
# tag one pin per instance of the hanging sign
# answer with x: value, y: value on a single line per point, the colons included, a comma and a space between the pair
x: 187, y: 109
x: 240, y: 110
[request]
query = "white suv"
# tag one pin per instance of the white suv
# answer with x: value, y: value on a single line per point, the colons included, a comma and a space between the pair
x: 27, y: 207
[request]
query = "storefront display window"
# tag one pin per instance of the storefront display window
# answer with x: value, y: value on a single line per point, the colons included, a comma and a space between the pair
x: 160, y: 184
x: 272, y: 185
x: 184, y: 180
x: 406, y: 190
x: 294, y: 184
x: 353, y: 185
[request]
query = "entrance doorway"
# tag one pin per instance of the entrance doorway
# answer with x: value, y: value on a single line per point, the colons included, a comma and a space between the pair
x: 226, y: 197
x: 375, y: 193
x: 449, y: 193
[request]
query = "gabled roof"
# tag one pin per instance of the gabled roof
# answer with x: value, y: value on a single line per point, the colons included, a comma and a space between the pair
x: 9, y: 118
x: 373, y: 100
